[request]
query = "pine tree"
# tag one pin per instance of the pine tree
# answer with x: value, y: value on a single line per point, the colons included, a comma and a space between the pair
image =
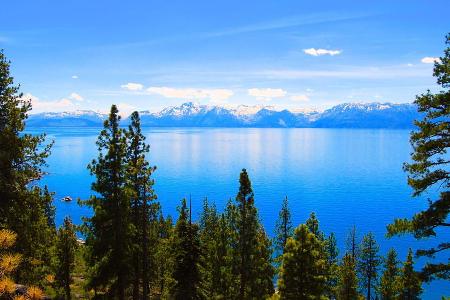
x: 368, y: 264
x: 302, y: 274
x: 429, y: 169
x: 410, y: 284
x: 25, y: 208
x: 313, y: 225
x: 348, y: 280
x: 66, y: 245
x: 187, y: 257
x: 248, y: 228
x: 163, y: 258
x: 389, y: 279
x: 283, y: 229
x: 143, y: 207
x: 108, y: 231
x: 332, y: 253
x: 353, y: 244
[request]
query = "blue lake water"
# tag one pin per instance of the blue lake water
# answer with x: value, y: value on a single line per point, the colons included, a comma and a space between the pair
x: 348, y: 177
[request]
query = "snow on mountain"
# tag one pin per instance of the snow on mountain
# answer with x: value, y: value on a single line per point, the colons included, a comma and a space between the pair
x: 190, y: 114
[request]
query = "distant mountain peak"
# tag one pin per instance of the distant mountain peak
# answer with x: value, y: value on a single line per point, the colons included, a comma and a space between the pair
x: 192, y: 114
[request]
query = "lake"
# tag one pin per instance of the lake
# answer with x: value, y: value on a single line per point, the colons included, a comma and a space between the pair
x: 347, y: 176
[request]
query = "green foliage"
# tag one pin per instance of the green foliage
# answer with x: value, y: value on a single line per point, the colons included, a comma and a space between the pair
x: 109, y: 231
x: 283, y: 228
x: 144, y: 209
x: 410, y: 284
x: 368, y: 263
x: 390, y: 279
x: 332, y: 268
x: 24, y: 207
x: 252, y: 245
x: 66, y: 247
x: 187, y: 257
x: 429, y: 168
x: 348, y: 280
x: 302, y: 274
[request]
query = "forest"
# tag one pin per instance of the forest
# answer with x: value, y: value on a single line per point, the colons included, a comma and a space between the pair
x: 129, y: 249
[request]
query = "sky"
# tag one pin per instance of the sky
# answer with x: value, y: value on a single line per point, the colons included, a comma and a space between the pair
x: 147, y: 55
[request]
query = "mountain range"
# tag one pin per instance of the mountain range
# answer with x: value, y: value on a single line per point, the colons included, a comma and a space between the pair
x: 347, y: 115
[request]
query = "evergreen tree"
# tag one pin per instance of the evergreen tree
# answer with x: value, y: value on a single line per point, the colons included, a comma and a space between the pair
x: 108, y: 231
x: 143, y: 207
x: 247, y: 231
x: 332, y: 252
x: 313, y: 225
x: 389, y: 279
x: 429, y: 169
x: 66, y: 245
x: 8, y: 263
x: 348, y: 280
x: 163, y: 258
x: 25, y: 208
x: 187, y: 257
x: 410, y: 284
x: 283, y: 229
x: 368, y: 264
x: 302, y: 274
x: 353, y: 244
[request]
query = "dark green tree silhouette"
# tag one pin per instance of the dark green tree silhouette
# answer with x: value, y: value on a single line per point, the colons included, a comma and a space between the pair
x: 390, y: 278
x: 429, y: 169
x: 348, y: 280
x: 144, y: 209
x: 283, y: 228
x: 302, y: 274
x: 109, y: 231
x: 410, y: 283
x: 368, y: 264
x: 186, y: 271
x: 25, y: 208
x: 66, y: 246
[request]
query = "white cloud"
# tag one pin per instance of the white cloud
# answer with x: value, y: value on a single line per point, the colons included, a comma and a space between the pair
x: 44, y: 106
x: 215, y: 95
x: 430, y: 60
x: 76, y: 97
x: 299, y: 98
x: 319, y: 52
x: 125, y: 109
x: 266, y: 94
x: 132, y: 86
x: 74, y: 77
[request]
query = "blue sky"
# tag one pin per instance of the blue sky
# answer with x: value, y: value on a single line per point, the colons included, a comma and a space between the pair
x: 147, y: 55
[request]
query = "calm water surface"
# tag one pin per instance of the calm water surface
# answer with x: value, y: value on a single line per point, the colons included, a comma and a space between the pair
x: 348, y: 177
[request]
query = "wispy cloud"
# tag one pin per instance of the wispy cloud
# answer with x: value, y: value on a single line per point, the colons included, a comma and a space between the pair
x: 76, y: 97
x: 430, y: 60
x: 74, y: 76
x: 44, y: 105
x: 320, y: 52
x: 131, y: 86
x: 266, y: 94
x: 216, y: 95
x: 299, y: 98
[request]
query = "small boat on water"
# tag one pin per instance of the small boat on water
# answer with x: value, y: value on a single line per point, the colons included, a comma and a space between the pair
x: 66, y: 199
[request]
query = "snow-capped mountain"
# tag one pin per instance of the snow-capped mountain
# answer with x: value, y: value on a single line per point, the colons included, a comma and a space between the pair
x: 346, y: 115
x: 73, y: 118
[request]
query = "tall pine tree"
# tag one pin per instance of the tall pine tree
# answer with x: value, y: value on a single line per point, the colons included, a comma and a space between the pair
x: 24, y: 207
x: 302, y: 274
x: 249, y: 246
x: 368, y: 264
x: 389, y: 279
x: 186, y: 272
x: 283, y: 229
x: 429, y: 169
x: 144, y: 209
x: 108, y: 231
x: 66, y: 246
x: 410, y: 284
x: 348, y: 279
